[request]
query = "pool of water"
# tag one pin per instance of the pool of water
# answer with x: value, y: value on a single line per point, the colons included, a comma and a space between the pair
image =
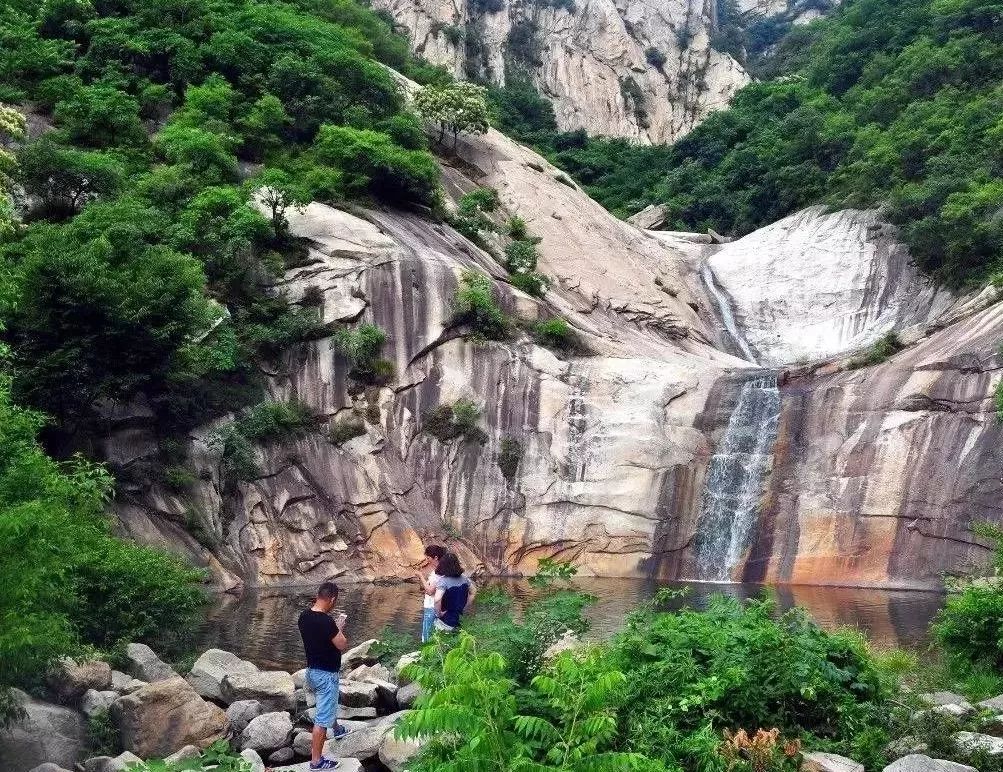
x: 261, y: 625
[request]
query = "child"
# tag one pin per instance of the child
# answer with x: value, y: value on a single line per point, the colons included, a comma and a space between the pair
x: 453, y: 593
x: 433, y: 553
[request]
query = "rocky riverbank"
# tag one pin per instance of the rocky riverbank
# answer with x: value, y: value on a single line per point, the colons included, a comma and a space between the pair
x: 159, y: 714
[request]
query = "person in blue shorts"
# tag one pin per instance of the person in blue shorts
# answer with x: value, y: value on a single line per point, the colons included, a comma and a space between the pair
x: 323, y: 641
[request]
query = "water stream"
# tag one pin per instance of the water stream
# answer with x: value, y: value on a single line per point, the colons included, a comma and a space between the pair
x: 736, y: 479
x: 727, y: 315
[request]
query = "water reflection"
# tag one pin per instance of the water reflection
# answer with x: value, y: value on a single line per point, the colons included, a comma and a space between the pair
x: 261, y: 626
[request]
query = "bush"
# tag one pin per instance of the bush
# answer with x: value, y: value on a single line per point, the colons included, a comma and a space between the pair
x: 885, y: 347
x: 218, y: 757
x: 509, y: 456
x: 475, y: 306
x: 371, y: 162
x: 534, y: 284
x: 362, y: 347
x: 521, y: 257
x: 102, y: 735
x: 345, y: 430
x: 272, y: 421
x: 554, y: 333
x: 461, y: 419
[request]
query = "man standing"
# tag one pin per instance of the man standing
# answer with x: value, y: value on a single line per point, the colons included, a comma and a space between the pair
x: 323, y: 641
x: 433, y: 553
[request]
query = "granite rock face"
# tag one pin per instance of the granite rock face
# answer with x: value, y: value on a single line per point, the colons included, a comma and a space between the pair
x: 49, y: 733
x: 624, y: 68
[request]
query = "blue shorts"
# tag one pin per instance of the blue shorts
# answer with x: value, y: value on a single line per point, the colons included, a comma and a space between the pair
x: 325, y: 686
x: 427, y: 620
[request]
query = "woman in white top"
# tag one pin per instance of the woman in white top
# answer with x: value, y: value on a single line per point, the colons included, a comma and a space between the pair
x: 433, y: 554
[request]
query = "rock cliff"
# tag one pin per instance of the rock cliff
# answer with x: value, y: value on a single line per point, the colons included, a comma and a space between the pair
x: 624, y: 68
x: 627, y: 451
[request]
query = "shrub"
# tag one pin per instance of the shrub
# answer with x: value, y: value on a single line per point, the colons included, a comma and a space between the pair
x: 372, y: 162
x: 362, y: 347
x: 475, y: 306
x: 534, y: 284
x: 521, y: 257
x: 461, y: 419
x: 102, y: 735
x: 509, y: 456
x: 885, y: 347
x: 218, y: 757
x: 554, y: 333
x: 454, y: 108
x: 271, y: 421
x: 516, y: 227
x: 178, y: 477
x: 345, y: 430
x: 472, y: 209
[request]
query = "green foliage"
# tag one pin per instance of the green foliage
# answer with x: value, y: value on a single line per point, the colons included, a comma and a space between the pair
x: 509, y: 456
x: 886, y: 346
x: 392, y: 644
x: 469, y: 705
x: 218, y: 757
x: 471, y: 218
x: 265, y: 422
x: 362, y: 347
x: 550, y: 571
x: 65, y: 178
x: 102, y: 735
x: 518, y: 110
x: 476, y: 307
x: 64, y: 580
x: 345, y: 430
x: 970, y: 626
x: 454, y: 108
x: 521, y: 257
x: 461, y: 419
x: 13, y: 127
x: 534, y: 283
x: 554, y: 333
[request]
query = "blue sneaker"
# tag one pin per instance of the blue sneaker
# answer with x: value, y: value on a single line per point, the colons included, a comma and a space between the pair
x: 339, y: 731
x: 325, y: 763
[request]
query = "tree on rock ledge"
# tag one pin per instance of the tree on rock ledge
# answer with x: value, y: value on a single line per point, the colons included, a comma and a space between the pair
x: 455, y: 108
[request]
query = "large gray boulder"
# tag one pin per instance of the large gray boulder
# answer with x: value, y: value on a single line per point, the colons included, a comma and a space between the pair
x: 241, y: 712
x: 267, y: 732
x: 395, y: 754
x: 118, y: 763
x: 70, y: 680
x: 344, y: 765
x: 973, y: 741
x: 406, y: 695
x: 186, y: 753
x: 281, y: 756
x: 961, y: 706
x: 274, y: 689
x: 372, y: 673
x: 145, y: 665
x: 123, y: 683
x: 49, y: 767
x: 302, y: 743
x: 359, y: 694
x: 993, y: 703
x: 94, y: 702
x: 49, y: 733
x: 363, y: 742
x: 358, y: 655
x: 253, y: 759
x: 917, y: 762
x: 829, y: 762
x: 164, y: 716
x: 209, y: 670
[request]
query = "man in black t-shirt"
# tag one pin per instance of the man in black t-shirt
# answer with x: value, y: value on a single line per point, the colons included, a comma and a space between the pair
x: 323, y: 641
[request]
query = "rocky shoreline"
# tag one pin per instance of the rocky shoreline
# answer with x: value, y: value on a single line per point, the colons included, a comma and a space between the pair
x: 160, y: 714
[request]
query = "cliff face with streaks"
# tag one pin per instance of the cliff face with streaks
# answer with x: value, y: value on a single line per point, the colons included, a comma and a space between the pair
x: 620, y: 68
x: 869, y: 476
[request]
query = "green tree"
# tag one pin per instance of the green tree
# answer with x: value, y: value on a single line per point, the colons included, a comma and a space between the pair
x: 101, y: 116
x: 458, y: 107
x: 13, y: 126
x: 64, y: 178
x: 279, y: 191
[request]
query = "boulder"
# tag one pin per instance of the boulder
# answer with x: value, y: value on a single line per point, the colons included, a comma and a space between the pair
x: 166, y: 715
x: 302, y: 743
x: 281, y: 756
x: 94, y: 702
x: 947, y: 698
x: 406, y: 695
x: 119, y: 763
x: 993, y: 703
x: 274, y: 689
x: 917, y: 762
x: 972, y: 741
x: 70, y: 680
x: 253, y: 759
x: 906, y: 746
x: 358, y: 655
x: 49, y: 767
x: 123, y: 683
x: 992, y: 725
x: 395, y: 754
x: 373, y: 673
x: 363, y: 742
x: 306, y: 698
x: 145, y: 665
x: 188, y: 752
x: 403, y: 662
x: 49, y: 733
x: 209, y: 670
x: 829, y: 762
x: 345, y: 765
x: 299, y: 679
x: 267, y: 732
x: 241, y: 712
x: 354, y: 694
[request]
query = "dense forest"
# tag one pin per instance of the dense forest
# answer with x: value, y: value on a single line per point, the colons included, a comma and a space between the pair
x: 894, y: 103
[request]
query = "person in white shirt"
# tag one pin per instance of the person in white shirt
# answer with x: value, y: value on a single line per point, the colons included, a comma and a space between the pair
x: 429, y: 583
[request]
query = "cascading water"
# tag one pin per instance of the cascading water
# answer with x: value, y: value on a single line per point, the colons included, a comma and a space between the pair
x: 736, y: 480
x: 727, y: 316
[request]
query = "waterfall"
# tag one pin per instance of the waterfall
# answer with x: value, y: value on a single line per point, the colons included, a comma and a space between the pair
x: 727, y: 315
x: 736, y: 479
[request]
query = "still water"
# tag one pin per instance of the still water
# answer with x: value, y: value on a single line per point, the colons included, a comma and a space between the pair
x: 261, y: 625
